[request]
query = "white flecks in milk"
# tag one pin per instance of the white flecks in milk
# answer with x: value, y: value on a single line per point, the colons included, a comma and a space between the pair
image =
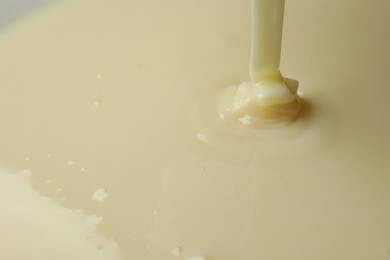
x: 176, y: 251
x: 82, y: 169
x: 70, y: 163
x: 27, y: 159
x: 100, y: 195
x: 245, y: 120
x: 78, y: 231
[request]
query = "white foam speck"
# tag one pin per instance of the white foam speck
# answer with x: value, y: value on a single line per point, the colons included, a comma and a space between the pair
x: 27, y: 159
x: 82, y: 169
x: 99, y: 76
x: 300, y: 93
x: 176, y: 251
x: 245, y: 120
x: 100, y: 195
x: 70, y: 163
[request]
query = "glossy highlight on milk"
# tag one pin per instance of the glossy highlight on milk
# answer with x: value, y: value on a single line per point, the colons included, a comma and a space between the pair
x: 148, y: 150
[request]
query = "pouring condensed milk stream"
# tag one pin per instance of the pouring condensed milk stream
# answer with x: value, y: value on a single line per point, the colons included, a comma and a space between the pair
x: 268, y: 94
x: 127, y: 142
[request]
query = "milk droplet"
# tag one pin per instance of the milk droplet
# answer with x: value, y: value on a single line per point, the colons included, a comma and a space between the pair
x: 70, y: 163
x: 176, y: 251
x: 100, y: 195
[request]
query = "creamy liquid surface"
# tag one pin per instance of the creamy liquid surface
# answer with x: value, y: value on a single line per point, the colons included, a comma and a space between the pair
x: 114, y: 108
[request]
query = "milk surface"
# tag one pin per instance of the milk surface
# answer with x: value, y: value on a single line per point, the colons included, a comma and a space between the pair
x: 115, y: 109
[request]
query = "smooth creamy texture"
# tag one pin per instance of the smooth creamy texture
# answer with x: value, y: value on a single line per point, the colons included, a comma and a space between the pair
x: 115, y: 107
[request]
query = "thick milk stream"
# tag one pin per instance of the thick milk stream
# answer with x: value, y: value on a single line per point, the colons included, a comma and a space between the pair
x: 115, y: 109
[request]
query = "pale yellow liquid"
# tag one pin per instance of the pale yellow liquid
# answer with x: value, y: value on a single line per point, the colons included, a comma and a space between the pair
x: 114, y: 106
